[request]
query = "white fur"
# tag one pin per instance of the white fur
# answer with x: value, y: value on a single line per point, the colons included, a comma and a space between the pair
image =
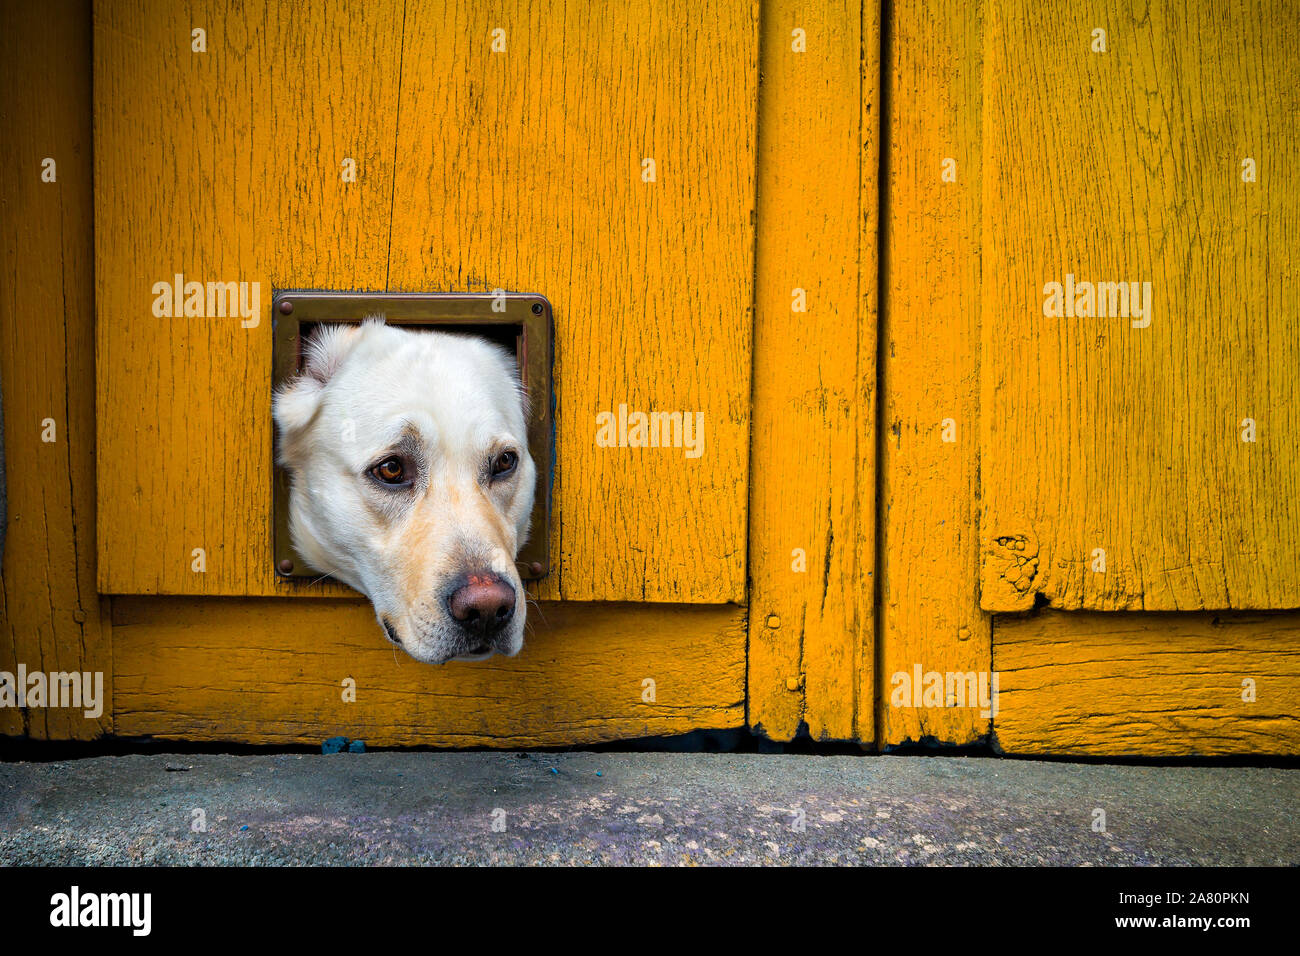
x: 454, y: 401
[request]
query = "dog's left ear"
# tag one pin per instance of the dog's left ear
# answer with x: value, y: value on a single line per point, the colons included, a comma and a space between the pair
x: 296, y: 403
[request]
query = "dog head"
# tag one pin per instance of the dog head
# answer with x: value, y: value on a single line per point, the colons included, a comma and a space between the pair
x: 410, y: 480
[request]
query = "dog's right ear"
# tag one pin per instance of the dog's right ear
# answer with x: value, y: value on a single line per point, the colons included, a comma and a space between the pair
x: 296, y: 403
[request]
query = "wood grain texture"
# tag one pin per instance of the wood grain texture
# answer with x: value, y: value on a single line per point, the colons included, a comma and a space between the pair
x: 534, y: 182
x: 1147, y: 684
x: 262, y: 671
x: 476, y: 170
x: 1125, y: 166
x: 50, y: 615
x: 866, y: 492
x: 221, y: 166
x: 930, y: 277
x: 813, y: 450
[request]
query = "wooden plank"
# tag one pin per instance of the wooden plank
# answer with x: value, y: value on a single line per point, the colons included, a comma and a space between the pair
x: 520, y: 169
x: 811, y: 499
x: 222, y: 165
x: 50, y: 616
x: 1147, y: 684
x: 929, y: 613
x: 1107, y: 432
x: 866, y: 726
x: 262, y: 671
x: 532, y: 180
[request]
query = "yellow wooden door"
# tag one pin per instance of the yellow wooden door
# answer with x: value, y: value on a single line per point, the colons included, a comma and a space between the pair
x: 1142, y: 455
x: 600, y: 155
x: 1017, y: 151
x: 1050, y: 477
x: 605, y: 156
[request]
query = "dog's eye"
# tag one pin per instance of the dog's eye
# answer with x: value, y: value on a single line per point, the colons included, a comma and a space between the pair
x: 390, y: 471
x: 504, y: 463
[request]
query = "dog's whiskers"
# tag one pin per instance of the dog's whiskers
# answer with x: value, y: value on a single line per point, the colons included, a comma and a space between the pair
x: 537, y: 604
x: 321, y: 578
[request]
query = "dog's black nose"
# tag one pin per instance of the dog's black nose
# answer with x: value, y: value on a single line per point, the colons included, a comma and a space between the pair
x: 483, y: 604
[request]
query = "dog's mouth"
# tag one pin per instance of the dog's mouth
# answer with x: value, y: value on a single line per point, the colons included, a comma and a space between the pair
x: 474, y: 651
x: 390, y: 632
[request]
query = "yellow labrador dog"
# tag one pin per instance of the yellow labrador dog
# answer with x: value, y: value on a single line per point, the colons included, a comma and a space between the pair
x: 410, y: 480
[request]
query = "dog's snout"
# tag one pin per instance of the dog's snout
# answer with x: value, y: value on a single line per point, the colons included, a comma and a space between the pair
x: 483, y: 604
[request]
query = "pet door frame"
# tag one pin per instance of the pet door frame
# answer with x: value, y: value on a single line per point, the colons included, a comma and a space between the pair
x: 474, y: 313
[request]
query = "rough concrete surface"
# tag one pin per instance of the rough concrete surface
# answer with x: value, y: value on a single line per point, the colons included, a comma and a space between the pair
x: 420, y: 808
